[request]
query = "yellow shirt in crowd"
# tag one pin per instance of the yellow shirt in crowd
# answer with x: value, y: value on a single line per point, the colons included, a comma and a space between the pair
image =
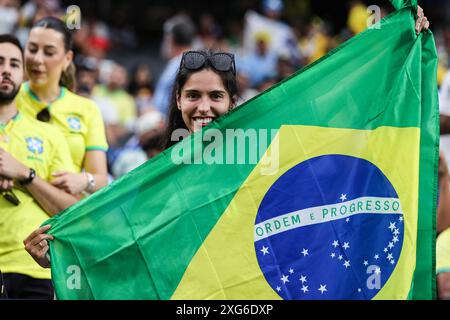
x: 121, y: 100
x: 77, y: 117
x: 42, y: 147
x: 357, y: 18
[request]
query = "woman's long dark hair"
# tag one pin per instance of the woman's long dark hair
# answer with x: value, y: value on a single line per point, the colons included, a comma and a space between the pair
x: 175, y: 117
x: 68, y: 77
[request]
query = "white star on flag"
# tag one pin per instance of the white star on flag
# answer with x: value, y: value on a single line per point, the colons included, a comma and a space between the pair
x: 346, y: 245
x: 304, y: 289
x: 340, y: 257
x: 395, y: 239
x: 391, y: 245
x: 305, y: 252
x: 400, y: 219
x: 291, y: 271
x: 392, y: 226
x: 392, y: 261
x: 359, y: 290
x: 376, y: 257
x: 347, y: 220
x: 284, y: 279
x: 343, y: 197
x: 278, y: 289
x: 385, y: 250
x: 335, y: 243
x: 346, y: 264
x: 396, y: 232
x: 303, y: 279
x: 389, y: 256
x: 322, y: 288
x: 366, y: 263
x: 333, y: 255
x: 265, y: 250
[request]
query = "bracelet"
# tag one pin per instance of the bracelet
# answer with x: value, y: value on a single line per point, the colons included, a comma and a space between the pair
x: 91, y: 182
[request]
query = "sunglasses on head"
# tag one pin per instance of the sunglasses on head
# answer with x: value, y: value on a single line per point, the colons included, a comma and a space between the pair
x: 44, y: 115
x: 11, y: 197
x: 220, y: 61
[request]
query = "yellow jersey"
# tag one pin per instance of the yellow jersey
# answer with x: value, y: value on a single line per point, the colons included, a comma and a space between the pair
x: 42, y: 147
x: 78, y: 118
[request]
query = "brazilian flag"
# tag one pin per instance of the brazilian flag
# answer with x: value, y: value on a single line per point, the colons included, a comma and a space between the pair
x: 333, y: 197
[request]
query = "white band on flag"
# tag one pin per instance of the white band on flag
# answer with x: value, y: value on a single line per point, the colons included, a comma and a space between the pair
x: 327, y: 213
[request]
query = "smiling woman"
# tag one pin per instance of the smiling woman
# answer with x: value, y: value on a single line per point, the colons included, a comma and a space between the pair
x: 205, y: 88
x: 202, y: 99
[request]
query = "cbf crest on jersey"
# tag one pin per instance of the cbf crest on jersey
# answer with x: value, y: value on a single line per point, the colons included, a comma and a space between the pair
x: 74, y: 123
x: 35, y: 145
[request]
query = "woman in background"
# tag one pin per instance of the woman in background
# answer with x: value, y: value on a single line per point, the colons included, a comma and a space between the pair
x: 48, y: 97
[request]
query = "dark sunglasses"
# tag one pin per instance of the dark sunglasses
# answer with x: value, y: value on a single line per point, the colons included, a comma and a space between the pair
x: 221, y: 61
x: 44, y: 115
x: 11, y: 197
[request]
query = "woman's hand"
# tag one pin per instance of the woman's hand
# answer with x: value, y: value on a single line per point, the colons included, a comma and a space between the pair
x: 37, y: 246
x: 73, y: 183
x: 422, y: 21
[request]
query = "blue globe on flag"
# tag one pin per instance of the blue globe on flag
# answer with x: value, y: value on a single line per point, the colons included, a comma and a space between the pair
x: 329, y: 228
